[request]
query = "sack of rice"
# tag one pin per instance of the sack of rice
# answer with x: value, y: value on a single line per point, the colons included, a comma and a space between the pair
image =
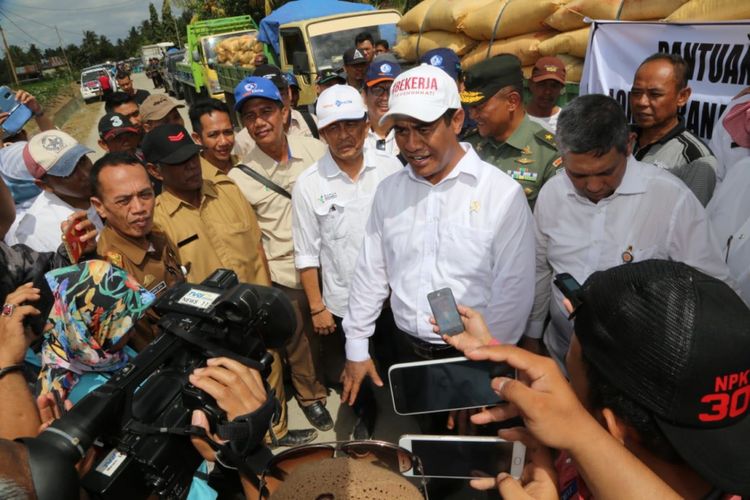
x: 570, y: 16
x: 516, y: 17
x: 525, y: 47
x: 712, y: 10
x: 573, y: 67
x: 412, y: 20
x: 411, y: 47
x: 572, y: 42
x: 448, y: 15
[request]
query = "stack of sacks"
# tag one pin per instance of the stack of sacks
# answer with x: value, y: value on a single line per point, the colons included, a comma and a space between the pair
x: 239, y: 50
x: 712, y: 10
x: 438, y: 21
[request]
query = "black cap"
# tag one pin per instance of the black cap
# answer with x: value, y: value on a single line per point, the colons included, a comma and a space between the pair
x: 486, y: 78
x: 329, y: 74
x: 113, y: 124
x: 354, y: 56
x: 272, y: 73
x: 677, y: 342
x: 170, y: 144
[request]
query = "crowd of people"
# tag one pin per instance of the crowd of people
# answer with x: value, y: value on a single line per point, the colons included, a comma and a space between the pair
x: 395, y: 183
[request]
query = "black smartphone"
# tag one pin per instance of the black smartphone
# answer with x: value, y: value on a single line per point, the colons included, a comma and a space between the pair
x: 445, y: 311
x: 445, y: 384
x: 464, y: 457
x: 569, y: 287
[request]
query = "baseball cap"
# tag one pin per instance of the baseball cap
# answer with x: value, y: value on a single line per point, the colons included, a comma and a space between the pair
x: 157, y: 106
x: 445, y: 59
x: 53, y: 152
x: 424, y: 93
x: 291, y: 80
x: 381, y: 71
x: 337, y: 103
x: 273, y: 73
x: 255, y: 86
x: 354, y: 56
x: 113, y: 124
x: 678, y: 342
x: 170, y: 144
x: 548, y: 68
x: 486, y: 78
x: 329, y: 74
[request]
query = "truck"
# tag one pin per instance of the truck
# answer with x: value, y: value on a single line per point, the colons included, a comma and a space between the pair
x: 196, y: 75
x: 156, y: 50
x: 310, y: 45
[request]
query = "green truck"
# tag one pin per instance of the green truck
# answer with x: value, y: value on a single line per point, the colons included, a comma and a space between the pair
x: 311, y: 45
x: 196, y: 76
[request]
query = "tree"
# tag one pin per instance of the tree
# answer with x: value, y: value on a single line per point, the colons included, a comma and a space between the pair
x: 168, y: 23
x: 157, y: 32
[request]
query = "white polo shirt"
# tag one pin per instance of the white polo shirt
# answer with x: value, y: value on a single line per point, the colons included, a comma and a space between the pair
x: 729, y: 211
x: 387, y: 145
x: 329, y: 215
x: 651, y: 215
x: 472, y: 232
x: 39, y: 226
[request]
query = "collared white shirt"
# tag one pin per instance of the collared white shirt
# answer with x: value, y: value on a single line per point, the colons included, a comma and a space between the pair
x: 729, y: 211
x: 651, y: 215
x: 39, y: 226
x: 387, y: 144
x: 330, y: 212
x: 471, y: 232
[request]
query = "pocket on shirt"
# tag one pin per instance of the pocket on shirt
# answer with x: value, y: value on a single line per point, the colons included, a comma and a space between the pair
x: 332, y: 220
x: 468, y: 250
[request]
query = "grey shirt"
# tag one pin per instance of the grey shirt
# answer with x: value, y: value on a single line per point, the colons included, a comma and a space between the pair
x: 684, y: 155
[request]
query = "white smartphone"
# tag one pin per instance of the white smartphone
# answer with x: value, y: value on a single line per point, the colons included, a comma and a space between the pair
x: 464, y: 457
x: 444, y: 384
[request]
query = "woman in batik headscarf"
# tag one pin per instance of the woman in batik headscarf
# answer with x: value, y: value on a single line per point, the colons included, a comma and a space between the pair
x: 96, y: 306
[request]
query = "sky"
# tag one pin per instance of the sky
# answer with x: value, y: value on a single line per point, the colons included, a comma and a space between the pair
x: 35, y: 20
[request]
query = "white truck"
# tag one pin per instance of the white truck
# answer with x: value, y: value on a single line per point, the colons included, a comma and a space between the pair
x: 156, y: 50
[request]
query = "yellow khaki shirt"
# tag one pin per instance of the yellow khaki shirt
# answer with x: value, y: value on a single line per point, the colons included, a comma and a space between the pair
x: 274, y: 211
x: 156, y: 269
x: 212, y: 173
x: 222, y: 233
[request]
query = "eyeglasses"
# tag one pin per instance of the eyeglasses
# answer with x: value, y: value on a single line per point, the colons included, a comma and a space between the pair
x: 379, y: 91
x: 380, y: 453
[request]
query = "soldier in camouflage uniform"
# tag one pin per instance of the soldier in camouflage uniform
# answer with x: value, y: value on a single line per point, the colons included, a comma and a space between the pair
x: 505, y: 136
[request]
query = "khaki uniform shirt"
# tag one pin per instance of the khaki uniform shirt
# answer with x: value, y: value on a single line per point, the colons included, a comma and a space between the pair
x: 212, y: 173
x: 274, y: 211
x: 529, y: 156
x: 156, y: 269
x: 222, y: 233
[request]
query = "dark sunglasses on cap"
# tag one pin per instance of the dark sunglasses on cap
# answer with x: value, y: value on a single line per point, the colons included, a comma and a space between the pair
x: 381, y: 453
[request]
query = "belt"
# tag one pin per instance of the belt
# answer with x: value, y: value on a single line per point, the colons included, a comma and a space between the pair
x: 428, y: 350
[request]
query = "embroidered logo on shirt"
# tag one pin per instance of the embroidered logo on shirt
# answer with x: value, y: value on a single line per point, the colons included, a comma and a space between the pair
x: 474, y: 206
x: 327, y: 197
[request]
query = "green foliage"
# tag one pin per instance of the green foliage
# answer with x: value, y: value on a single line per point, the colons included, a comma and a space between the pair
x: 46, y: 90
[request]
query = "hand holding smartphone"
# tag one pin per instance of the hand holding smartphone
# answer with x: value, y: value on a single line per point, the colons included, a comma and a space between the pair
x: 72, y: 241
x: 445, y: 311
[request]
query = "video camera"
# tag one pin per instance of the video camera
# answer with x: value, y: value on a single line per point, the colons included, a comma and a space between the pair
x: 137, y: 416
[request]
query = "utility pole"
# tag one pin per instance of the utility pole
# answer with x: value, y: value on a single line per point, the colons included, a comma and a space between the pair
x: 177, y: 31
x: 10, y: 58
x: 67, y: 63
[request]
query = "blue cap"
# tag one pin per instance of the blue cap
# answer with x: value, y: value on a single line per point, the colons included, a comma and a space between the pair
x: 381, y: 71
x: 291, y: 79
x: 445, y: 59
x: 255, y: 86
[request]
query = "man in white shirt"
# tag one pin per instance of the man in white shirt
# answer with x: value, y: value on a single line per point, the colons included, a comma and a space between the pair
x: 607, y: 209
x: 331, y: 202
x: 447, y: 220
x: 61, y: 169
x: 730, y: 141
x: 378, y: 80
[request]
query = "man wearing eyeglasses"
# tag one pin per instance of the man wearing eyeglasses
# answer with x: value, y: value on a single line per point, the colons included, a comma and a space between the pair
x: 447, y: 220
x: 331, y: 202
x: 505, y: 135
x: 378, y: 80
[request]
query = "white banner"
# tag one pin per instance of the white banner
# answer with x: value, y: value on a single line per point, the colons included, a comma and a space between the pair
x: 718, y: 55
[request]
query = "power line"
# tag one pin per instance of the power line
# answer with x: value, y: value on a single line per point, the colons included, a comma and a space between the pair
x: 29, y: 37
x: 78, y: 9
x: 13, y: 13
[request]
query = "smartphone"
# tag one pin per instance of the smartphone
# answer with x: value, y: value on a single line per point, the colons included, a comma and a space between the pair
x: 445, y: 311
x: 465, y: 457
x: 569, y: 287
x: 444, y: 384
x: 73, y: 244
x: 19, y: 113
